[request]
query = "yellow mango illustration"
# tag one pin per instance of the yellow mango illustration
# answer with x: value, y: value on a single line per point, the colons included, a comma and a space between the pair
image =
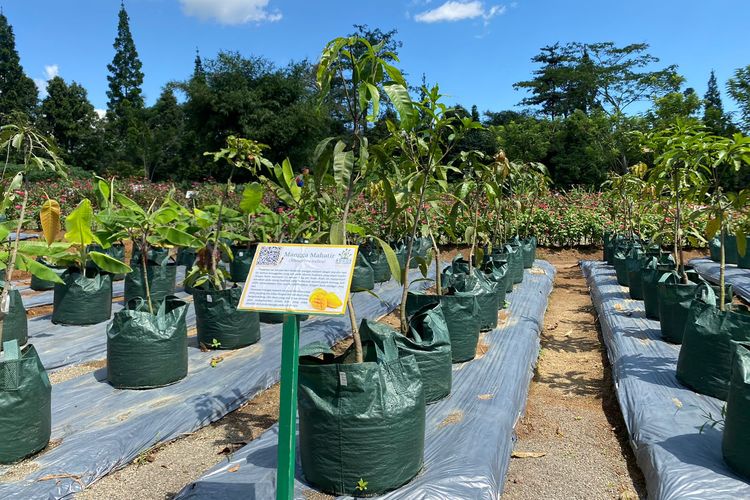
x: 319, y: 299
x: 333, y: 300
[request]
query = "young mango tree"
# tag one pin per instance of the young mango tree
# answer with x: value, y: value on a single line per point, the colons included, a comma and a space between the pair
x: 420, y: 150
x: 676, y: 176
x: 361, y: 70
x: 717, y: 156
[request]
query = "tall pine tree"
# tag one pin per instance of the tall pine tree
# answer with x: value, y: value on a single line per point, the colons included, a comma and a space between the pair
x: 127, y: 133
x: 17, y: 91
x: 714, y: 117
x: 125, y: 76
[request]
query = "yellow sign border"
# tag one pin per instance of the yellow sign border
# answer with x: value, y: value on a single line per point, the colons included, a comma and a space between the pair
x: 315, y: 312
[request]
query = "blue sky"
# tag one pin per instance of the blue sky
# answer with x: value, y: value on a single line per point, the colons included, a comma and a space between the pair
x: 475, y: 49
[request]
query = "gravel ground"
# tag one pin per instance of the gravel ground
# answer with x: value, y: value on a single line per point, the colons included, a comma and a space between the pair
x: 572, y: 417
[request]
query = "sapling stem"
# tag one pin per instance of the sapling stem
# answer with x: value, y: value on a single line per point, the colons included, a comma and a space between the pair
x: 4, y: 298
x: 409, y: 247
x: 144, y: 264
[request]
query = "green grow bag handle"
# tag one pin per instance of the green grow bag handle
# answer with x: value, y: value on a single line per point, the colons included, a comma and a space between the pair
x: 706, y: 294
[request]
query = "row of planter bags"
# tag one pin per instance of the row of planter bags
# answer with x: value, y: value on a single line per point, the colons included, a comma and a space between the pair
x: 346, y: 407
x: 714, y: 356
x: 442, y: 330
x: 155, y: 342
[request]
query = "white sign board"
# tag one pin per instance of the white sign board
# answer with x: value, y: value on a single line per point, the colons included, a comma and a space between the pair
x: 299, y: 279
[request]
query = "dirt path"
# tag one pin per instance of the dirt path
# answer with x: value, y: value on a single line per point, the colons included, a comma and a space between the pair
x: 572, y: 414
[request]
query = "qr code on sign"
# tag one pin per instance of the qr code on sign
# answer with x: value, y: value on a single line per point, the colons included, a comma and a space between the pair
x: 269, y: 256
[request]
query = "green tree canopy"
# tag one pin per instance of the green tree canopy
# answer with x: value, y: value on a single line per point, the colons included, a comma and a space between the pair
x: 739, y: 88
x: 69, y: 117
x: 17, y: 91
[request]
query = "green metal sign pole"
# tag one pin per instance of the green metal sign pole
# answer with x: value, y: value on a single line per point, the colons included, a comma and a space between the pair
x: 288, y: 408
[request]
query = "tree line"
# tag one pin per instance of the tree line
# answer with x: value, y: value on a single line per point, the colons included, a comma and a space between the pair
x: 577, y: 118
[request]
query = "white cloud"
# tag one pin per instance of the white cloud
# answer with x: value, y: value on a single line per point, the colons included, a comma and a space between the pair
x: 51, y: 71
x: 101, y: 112
x: 458, y: 11
x: 231, y: 12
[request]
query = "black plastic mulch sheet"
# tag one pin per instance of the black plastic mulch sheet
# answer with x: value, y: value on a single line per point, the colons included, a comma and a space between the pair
x: 465, y: 459
x: 662, y: 416
x: 739, y: 278
x: 60, y: 346
x: 102, y: 429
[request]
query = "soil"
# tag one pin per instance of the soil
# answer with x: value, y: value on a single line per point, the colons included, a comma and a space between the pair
x: 572, y: 438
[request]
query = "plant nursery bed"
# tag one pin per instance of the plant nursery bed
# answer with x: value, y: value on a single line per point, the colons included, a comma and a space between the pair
x: 739, y: 278
x: 469, y: 435
x: 99, y: 429
x: 663, y: 418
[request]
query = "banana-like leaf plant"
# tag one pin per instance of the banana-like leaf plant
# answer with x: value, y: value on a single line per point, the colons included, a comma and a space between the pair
x: 79, y: 225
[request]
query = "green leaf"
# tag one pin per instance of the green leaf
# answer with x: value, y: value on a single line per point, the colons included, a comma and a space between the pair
x: 37, y: 269
x: 251, y: 198
x: 741, y: 242
x: 390, y: 256
x: 401, y: 100
x: 181, y: 238
x: 109, y: 264
x: 78, y: 225
x: 343, y: 164
x: 712, y: 227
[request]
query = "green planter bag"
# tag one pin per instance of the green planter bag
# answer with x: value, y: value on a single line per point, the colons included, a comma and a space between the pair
x: 40, y: 285
x: 185, y: 257
x: 705, y: 361
x: 419, y: 300
x: 363, y: 277
x: 497, y: 271
x: 633, y: 269
x: 529, y: 252
x: 240, y: 265
x: 484, y: 291
x: 504, y: 257
x: 621, y: 271
x: 116, y: 251
x: 82, y: 299
x: 515, y: 262
x: 429, y: 343
x: 25, y: 403
x: 217, y: 319
x: 611, y: 248
x: 743, y: 261
x: 400, y: 250
x: 651, y: 272
x: 675, y: 299
x: 147, y: 350
x: 461, y: 313
x: 360, y: 420
x: 162, y: 278
x: 375, y: 257
x: 714, y: 248
x: 735, y: 442
x: 15, y: 324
